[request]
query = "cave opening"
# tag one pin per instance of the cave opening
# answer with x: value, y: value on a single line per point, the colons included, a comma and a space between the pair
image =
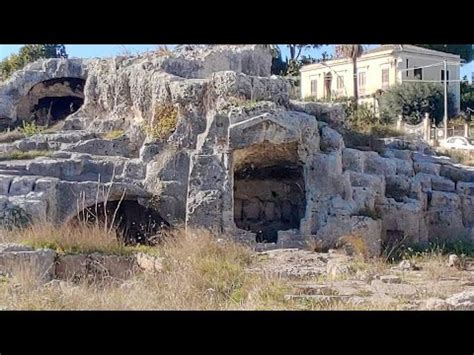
x: 51, y: 101
x: 49, y: 110
x: 134, y: 223
x: 269, y: 190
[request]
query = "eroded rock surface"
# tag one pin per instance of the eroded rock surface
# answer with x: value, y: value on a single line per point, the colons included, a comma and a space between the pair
x: 235, y: 155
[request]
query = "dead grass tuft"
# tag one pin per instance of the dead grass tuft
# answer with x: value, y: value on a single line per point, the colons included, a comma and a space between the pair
x: 354, y: 244
x: 117, y: 133
x: 11, y: 136
x: 70, y: 239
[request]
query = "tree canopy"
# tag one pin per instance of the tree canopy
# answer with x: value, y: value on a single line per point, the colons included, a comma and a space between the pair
x: 467, y: 95
x: 413, y: 100
x: 28, y: 54
x: 466, y: 51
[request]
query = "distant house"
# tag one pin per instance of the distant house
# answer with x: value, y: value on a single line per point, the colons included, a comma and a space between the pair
x: 378, y: 69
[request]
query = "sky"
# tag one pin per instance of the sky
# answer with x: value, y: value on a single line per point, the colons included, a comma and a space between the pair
x: 110, y: 50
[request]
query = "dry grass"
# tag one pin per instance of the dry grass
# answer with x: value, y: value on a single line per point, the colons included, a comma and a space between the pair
x: 163, y: 51
x: 117, y: 133
x: 200, y: 272
x: 70, y: 238
x: 463, y: 157
x: 11, y: 136
x: 354, y: 244
x: 55, y: 127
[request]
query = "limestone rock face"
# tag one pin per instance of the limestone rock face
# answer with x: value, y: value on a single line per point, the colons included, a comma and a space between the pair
x: 206, y: 137
x: 22, y: 81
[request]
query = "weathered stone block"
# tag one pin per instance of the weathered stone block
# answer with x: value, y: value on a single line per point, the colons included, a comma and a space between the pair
x: 427, y: 168
x: 38, y: 263
x: 353, y: 159
x: 22, y: 185
x: 439, y: 183
x: 5, y: 182
x: 71, y: 267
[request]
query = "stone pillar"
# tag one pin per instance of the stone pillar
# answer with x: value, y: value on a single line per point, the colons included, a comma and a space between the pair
x: 426, y: 127
x: 400, y: 124
x: 467, y: 132
x: 206, y: 191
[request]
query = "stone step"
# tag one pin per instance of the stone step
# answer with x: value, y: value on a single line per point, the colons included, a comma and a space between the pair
x: 10, y: 166
x: 13, y: 172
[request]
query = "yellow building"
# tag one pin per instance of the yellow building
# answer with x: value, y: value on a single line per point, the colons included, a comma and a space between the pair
x: 378, y: 69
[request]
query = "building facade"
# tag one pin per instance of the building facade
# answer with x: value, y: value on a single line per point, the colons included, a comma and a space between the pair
x: 379, y: 69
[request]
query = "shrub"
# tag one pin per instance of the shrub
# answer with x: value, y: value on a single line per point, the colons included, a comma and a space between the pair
x: 413, y: 100
x: 30, y: 128
x: 163, y: 51
x: 362, y: 117
x: 163, y: 122
x: 467, y: 96
x: 14, y: 217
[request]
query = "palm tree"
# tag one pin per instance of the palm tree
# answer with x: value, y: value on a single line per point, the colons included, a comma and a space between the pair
x: 352, y: 51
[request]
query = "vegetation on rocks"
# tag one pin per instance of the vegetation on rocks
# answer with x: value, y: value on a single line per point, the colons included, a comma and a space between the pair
x: 163, y: 122
x: 30, y: 128
x: 244, y: 103
x: 11, y: 136
x: 117, y: 133
x: 20, y: 155
x: 14, y: 217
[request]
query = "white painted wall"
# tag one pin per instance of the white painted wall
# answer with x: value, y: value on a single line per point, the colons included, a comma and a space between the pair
x: 372, y: 64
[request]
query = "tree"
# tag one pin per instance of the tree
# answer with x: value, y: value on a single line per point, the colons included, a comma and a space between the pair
x: 352, y: 51
x: 413, y: 100
x: 30, y: 53
x: 297, y: 49
x: 466, y: 51
x: 279, y: 66
x: 294, y: 62
x: 467, y: 95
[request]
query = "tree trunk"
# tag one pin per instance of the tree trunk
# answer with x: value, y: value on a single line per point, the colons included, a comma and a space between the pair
x: 356, y: 89
x: 292, y: 51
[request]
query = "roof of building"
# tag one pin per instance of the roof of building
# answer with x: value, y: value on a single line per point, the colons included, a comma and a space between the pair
x: 390, y: 48
x: 409, y: 48
x: 384, y: 47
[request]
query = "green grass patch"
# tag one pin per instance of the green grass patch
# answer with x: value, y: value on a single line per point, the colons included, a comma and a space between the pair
x: 19, y: 155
